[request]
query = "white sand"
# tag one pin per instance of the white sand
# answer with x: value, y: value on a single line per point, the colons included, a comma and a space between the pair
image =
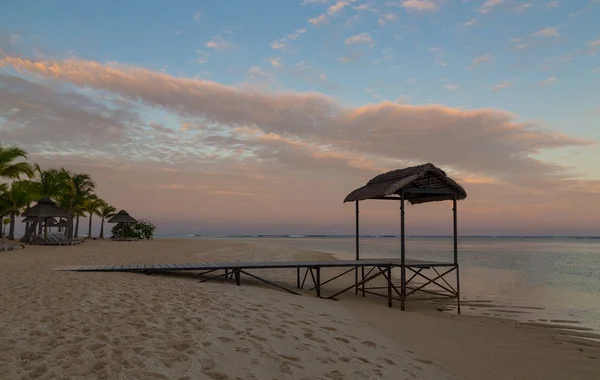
x: 126, y: 325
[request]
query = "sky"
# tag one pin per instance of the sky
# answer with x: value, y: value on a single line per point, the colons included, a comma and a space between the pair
x: 242, y: 116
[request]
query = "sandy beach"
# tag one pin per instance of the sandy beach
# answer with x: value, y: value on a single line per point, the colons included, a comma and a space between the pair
x: 126, y: 325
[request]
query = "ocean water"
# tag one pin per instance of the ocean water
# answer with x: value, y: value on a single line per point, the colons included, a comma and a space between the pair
x: 554, y: 280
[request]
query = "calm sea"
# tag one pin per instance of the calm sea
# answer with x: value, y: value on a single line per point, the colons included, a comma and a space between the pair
x: 531, y: 279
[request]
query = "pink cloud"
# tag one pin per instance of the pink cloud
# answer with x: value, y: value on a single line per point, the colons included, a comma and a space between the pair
x: 274, y: 147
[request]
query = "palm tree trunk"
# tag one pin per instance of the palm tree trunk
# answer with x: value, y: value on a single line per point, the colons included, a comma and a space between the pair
x: 11, y: 230
x: 70, y: 227
x: 90, y: 227
x: 30, y: 231
x: 101, y: 236
x: 77, y: 226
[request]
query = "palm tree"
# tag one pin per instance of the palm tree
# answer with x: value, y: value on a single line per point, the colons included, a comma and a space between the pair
x: 91, y: 206
x: 105, y: 211
x: 51, y: 183
x: 15, y: 199
x: 10, y: 169
x: 79, y: 187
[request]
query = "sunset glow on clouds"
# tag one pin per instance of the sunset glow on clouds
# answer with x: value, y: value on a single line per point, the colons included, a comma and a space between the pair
x: 273, y: 123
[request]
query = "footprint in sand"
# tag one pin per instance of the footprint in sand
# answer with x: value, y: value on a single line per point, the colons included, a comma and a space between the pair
x: 424, y: 361
x: 368, y: 343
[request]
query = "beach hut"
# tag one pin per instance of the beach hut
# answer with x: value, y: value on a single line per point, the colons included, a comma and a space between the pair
x: 416, y: 185
x: 122, y: 217
x: 44, y: 209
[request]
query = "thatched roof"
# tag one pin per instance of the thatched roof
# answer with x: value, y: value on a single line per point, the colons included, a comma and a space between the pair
x: 421, y: 184
x: 46, y: 208
x: 122, y: 217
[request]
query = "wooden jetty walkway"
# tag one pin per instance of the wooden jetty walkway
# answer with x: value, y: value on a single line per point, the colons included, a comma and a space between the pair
x: 370, y: 270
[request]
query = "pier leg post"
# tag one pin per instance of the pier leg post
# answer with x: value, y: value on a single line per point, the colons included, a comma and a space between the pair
x: 237, y: 277
x: 226, y: 273
x: 402, y: 255
x: 389, y: 284
x: 298, y: 277
x: 357, y: 251
x: 457, y: 289
x: 318, y: 284
x: 363, y: 277
x: 455, y: 220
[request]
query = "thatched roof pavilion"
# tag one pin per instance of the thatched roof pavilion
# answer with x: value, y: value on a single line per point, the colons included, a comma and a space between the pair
x: 45, y: 208
x: 420, y: 184
x: 417, y: 184
x: 122, y: 217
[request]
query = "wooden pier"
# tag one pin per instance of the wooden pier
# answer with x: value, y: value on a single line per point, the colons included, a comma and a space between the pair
x: 371, y: 269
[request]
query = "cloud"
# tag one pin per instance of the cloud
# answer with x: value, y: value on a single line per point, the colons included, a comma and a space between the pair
x: 219, y: 43
x: 420, y: 5
x: 501, y: 86
x: 337, y: 7
x: 596, y: 70
x: 386, y: 18
x: 197, y: 15
x: 278, y: 145
x: 471, y: 22
x: 351, y: 57
x: 489, y: 5
x: 487, y: 57
x: 35, y: 113
x: 548, y: 81
x: 275, y: 62
x: 319, y: 20
x: 451, y: 87
x: 547, y: 32
x: 595, y: 43
x: 202, y: 56
x: 362, y: 38
x: 283, y: 43
x: 503, y: 147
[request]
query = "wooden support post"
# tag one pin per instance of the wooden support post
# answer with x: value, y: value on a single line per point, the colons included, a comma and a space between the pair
x: 318, y: 284
x: 455, y: 217
x: 357, y: 249
x: 363, y: 277
x: 402, y: 254
x: 389, y: 284
x: 237, y: 277
x: 298, y: 277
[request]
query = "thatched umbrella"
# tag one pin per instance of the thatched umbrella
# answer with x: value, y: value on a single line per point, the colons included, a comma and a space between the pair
x: 45, y: 208
x: 122, y: 217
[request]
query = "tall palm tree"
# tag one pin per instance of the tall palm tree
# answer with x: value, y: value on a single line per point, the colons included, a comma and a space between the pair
x: 51, y: 183
x: 16, y: 198
x: 11, y: 169
x: 105, y: 211
x: 80, y: 187
x: 91, y: 206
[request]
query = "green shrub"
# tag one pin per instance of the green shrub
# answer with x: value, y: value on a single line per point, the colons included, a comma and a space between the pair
x: 143, y: 229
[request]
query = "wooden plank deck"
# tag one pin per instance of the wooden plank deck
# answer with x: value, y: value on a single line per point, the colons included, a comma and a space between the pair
x: 252, y: 265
